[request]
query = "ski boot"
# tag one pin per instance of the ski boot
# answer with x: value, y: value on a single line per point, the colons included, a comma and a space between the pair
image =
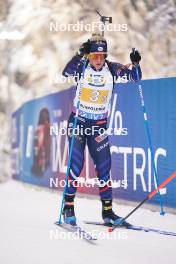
x: 109, y: 217
x: 68, y: 211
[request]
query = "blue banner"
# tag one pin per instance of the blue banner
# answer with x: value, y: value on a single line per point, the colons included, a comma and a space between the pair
x: 39, y: 154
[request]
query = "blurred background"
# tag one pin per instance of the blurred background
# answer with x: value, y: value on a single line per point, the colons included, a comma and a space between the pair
x: 32, y: 55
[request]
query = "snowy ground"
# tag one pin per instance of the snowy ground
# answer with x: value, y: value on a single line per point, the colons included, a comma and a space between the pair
x: 28, y: 235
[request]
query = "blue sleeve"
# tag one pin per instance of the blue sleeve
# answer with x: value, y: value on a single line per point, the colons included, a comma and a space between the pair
x: 120, y: 70
x: 72, y: 66
x: 133, y: 75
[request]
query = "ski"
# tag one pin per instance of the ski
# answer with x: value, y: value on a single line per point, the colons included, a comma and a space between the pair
x: 134, y: 227
x: 77, y: 229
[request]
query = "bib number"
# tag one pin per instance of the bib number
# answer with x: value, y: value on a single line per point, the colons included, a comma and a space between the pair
x: 94, y: 96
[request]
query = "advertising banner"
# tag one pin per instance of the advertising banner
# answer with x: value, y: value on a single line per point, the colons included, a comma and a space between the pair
x: 40, y: 148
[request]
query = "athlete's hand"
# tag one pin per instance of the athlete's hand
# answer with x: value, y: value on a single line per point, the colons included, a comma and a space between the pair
x: 85, y: 48
x: 135, y: 56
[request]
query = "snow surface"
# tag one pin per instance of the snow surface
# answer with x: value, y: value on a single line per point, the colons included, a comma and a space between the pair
x: 28, y: 234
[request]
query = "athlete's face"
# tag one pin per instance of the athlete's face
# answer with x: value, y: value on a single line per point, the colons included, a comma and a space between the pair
x: 97, y: 60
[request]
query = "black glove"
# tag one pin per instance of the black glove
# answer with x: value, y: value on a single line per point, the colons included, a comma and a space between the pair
x: 135, y: 56
x: 85, y: 48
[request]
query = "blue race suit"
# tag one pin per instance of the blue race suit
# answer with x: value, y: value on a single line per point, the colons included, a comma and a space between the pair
x: 94, y: 94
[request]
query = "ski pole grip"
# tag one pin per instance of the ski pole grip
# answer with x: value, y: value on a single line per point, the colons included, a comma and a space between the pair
x: 164, y: 183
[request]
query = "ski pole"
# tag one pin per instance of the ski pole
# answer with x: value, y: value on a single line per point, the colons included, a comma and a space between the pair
x: 149, y: 196
x: 148, y: 135
x: 71, y: 148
